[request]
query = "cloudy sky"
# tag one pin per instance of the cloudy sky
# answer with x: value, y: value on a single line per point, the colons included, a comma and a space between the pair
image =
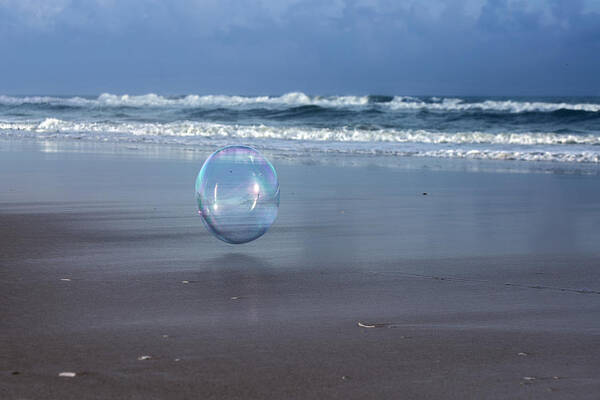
x: 478, y: 47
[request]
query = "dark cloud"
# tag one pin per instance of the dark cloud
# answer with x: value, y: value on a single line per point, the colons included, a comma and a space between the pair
x: 268, y: 47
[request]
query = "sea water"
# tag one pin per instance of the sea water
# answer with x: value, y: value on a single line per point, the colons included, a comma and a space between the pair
x: 551, y: 129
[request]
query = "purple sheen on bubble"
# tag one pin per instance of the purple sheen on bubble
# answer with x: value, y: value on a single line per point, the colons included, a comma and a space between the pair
x: 237, y: 192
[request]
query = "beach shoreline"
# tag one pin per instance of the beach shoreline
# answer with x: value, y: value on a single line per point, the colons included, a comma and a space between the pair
x: 486, y: 287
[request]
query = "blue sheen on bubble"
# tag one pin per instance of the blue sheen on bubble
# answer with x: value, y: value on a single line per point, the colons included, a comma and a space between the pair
x: 237, y: 191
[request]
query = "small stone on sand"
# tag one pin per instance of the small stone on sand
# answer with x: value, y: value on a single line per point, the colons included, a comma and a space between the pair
x: 65, y: 279
x: 142, y: 358
x: 522, y: 354
x: 67, y: 374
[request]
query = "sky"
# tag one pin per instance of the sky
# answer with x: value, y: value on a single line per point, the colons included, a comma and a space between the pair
x: 256, y: 47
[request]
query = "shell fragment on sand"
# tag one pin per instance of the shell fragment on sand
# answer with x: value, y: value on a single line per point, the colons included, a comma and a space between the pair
x: 369, y: 325
x: 365, y: 325
x: 67, y: 374
x: 146, y: 357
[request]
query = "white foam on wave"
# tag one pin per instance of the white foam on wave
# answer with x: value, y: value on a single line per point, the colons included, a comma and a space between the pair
x: 512, y: 106
x: 480, y: 154
x: 68, y: 101
x: 398, y: 103
x: 489, y: 154
x: 289, y: 99
x: 417, y: 143
x: 190, y: 101
x: 296, y: 133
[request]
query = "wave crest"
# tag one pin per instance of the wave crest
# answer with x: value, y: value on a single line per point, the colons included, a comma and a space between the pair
x: 346, y: 134
x: 294, y: 99
x: 416, y: 143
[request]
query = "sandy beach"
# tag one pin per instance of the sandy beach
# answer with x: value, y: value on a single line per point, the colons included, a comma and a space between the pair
x: 486, y: 287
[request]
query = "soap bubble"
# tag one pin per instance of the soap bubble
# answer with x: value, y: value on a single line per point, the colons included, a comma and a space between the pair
x: 237, y: 191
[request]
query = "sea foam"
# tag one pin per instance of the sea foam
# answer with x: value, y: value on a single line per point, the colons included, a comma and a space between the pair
x: 396, y: 103
x: 530, y: 146
x: 297, y: 133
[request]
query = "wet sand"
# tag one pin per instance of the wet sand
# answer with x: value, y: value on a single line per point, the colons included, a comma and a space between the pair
x: 488, y: 287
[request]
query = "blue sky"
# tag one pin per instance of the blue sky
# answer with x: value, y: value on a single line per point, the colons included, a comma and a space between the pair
x: 478, y: 47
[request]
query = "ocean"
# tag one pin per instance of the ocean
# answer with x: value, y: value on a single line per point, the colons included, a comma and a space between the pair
x: 526, y: 129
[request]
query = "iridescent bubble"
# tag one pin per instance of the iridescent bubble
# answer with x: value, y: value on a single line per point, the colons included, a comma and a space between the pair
x: 237, y: 191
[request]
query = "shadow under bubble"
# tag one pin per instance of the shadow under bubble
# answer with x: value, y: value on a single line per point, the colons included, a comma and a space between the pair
x: 241, y: 285
x: 237, y: 275
x: 239, y: 262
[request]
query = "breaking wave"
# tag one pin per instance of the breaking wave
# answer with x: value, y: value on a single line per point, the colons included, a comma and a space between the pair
x: 295, y: 99
x: 345, y: 134
x: 530, y: 146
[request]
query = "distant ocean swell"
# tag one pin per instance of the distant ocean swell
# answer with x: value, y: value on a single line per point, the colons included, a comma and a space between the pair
x: 526, y: 129
x: 301, y: 99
